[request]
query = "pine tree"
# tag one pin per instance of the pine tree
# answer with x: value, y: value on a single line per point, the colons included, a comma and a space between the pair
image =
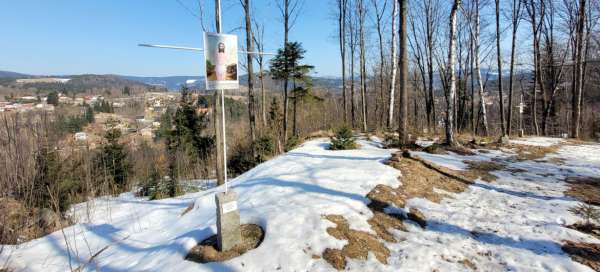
x: 52, y: 98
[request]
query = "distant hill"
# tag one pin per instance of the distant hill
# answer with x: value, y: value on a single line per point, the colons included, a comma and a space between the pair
x: 12, y: 75
x: 172, y: 83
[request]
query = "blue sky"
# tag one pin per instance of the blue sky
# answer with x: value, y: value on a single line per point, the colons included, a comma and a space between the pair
x: 83, y: 36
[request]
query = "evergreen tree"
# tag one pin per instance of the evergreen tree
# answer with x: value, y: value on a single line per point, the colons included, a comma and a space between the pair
x: 88, y: 113
x: 112, y: 160
x: 52, y: 98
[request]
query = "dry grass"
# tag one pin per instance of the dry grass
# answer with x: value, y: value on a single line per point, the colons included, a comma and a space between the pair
x: 586, y: 228
x: 359, y: 244
x: 585, y: 189
x: 585, y: 253
x: 206, y: 251
x: 419, y: 178
x: 530, y: 153
x: 482, y: 169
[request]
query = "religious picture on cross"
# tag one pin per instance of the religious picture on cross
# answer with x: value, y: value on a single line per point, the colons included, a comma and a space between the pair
x: 221, y: 61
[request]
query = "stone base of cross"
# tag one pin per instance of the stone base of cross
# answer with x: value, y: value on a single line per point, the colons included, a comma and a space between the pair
x: 228, y: 220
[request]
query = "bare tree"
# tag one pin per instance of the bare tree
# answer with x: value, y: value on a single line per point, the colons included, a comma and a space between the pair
x: 379, y: 15
x: 536, y: 24
x: 352, y: 44
x: 515, y: 19
x: 249, y: 67
x: 362, y: 12
x: 499, y: 59
x: 579, y: 53
x: 403, y: 120
x: 258, y: 37
x: 451, y: 91
x: 477, y: 61
x: 393, y: 62
x: 342, y: 7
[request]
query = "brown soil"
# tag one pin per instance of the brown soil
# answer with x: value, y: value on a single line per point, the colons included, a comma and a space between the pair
x: 585, y: 253
x: 585, y: 189
x: 530, y: 153
x: 444, y: 149
x: 359, y: 244
x: 585, y: 228
x: 482, y: 169
x: 420, y: 177
x: 206, y: 251
x: 468, y: 264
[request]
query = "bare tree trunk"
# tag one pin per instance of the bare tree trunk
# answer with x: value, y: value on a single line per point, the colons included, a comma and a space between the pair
x: 393, y: 62
x: 431, y: 116
x: 531, y: 9
x: 379, y: 17
x: 352, y: 43
x: 250, y: 68
x: 258, y: 38
x: 499, y: 58
x: 403, y: 120
x: 576, y: 99
x: 363, y: 65
x: 516, y: 17
x: 478, y: 70
x: 451, y: 93
x: 342, y: 6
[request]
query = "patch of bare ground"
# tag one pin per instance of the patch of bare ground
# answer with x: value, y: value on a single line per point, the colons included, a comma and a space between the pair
x: 585, y: 189
x: 207, y: 251
x: 467, y: 263
x: 419, y: 179
x: 530, y: 153
x: 444, y: 149
x: 585, y: 253
x: 482, y: 169
x: 359, y: 244
x: 586, y: 228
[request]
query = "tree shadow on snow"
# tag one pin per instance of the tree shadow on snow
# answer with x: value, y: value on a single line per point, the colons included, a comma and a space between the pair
x: 321, y: 156
x: 520, y: 194
x: 305, y: 187
x: 119, y: 242
x: 539, y: 247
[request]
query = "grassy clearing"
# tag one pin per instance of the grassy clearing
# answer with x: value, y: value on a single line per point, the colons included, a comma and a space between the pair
x: 585, y: 189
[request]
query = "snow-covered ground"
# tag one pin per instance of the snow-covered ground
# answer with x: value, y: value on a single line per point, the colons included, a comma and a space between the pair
x: 513, y: 224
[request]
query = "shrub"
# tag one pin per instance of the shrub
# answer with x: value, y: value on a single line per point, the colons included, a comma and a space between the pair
x: 343, y: 139
x: 265, y: 148
x: 242, y: 160
x: 291, y: 143
x: 588, y: 212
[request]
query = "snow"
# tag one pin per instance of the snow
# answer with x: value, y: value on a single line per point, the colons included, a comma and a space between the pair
x: 513, y: 224
x: 286, y: 196
x: 537, y: 141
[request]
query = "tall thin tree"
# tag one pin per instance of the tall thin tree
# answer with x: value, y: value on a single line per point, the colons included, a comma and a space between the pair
x: 393, y: 62
x: 499, y: 62
x: 451, y: 90
x: 515, y: 19
x: 403, y: 120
